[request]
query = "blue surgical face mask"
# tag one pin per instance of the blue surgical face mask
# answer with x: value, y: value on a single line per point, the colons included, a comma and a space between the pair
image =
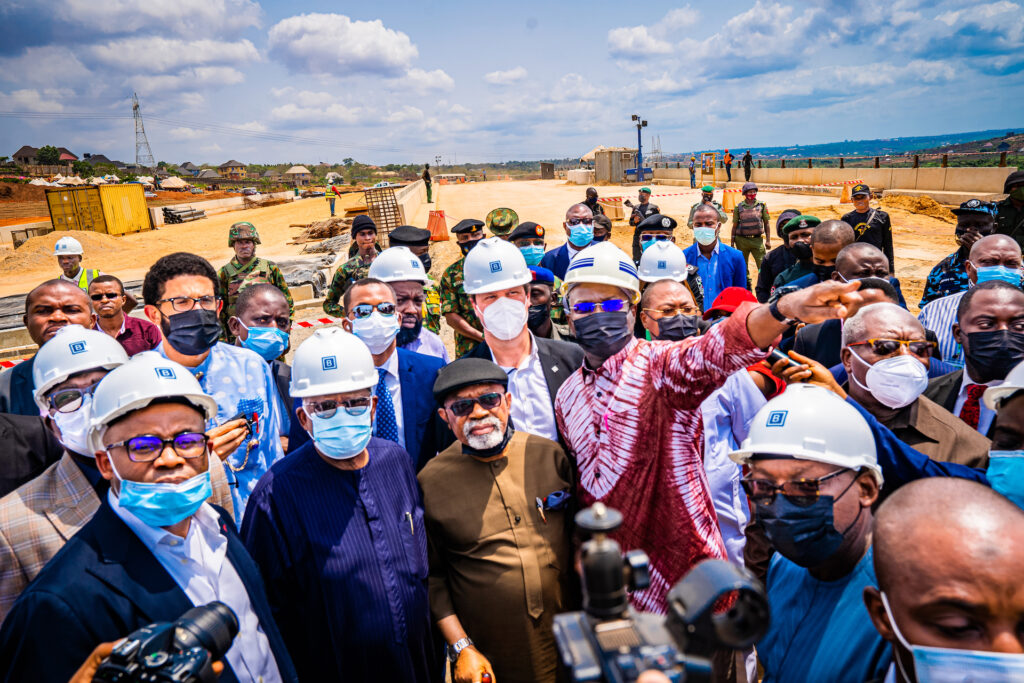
x: 1006, y: 474
x: 581, y: 235
x: 705, y: 236
x: 163, y: 505
x: 533, y: 253
x: 268, y: 342
x: 1003, y: 273
x: 947, y: 664
x: 342, y: 436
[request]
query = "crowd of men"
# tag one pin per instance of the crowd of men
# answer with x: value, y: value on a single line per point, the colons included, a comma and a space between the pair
x: 377, y: 511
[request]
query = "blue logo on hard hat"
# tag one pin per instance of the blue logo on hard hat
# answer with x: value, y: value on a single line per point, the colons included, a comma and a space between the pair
x: 415, y: 263
x: 329, y: 363
x: 495, y: 266
x: 662, y: 265
x: 777, y: 418
x: 77, y: 347
x: 165, y: 373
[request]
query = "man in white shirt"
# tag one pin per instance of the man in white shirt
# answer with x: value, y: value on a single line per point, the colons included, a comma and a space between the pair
x: 154, y: 549
x: 401, y: 268
x: 497, y: 281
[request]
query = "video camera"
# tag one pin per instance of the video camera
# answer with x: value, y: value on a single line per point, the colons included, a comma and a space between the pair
x: 716, y: 605
x: 182, y: 651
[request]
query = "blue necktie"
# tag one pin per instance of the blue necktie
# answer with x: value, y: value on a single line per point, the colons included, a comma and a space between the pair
x: 385, y: 425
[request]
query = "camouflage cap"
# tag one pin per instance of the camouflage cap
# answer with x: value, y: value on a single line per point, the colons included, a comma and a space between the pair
x: 501, y: 221
x: 243, y: 230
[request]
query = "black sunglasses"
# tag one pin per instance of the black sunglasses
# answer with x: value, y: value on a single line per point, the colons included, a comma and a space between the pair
x: 464, y: 406
x: 104, y: 295
x: 366, y: 310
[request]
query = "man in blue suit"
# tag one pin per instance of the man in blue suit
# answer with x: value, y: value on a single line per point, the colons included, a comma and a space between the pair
x: 154, y: 549
x: 718, y: 265
x: 405, y: 414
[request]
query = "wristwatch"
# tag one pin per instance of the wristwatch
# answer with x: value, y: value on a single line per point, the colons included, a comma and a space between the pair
x: 773, y: 305
x: 456, y: 649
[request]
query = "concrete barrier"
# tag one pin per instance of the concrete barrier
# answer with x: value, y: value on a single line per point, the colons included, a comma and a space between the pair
x: 410, y: 198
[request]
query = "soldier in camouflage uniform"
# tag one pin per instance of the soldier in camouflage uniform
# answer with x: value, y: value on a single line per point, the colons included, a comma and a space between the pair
x: 501, y: 222
x: 364, y: 235
x: 246, y: 269
x: 418, y: 241
x: 455, y: 305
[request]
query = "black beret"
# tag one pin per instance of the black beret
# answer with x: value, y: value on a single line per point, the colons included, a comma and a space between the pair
x: 362, y: 222
x: 1015, y: 178
x: 468, y: 225
x: 529, y: 229
x: 409, y: 236
x: 467, y: 372
x: 656, y: 221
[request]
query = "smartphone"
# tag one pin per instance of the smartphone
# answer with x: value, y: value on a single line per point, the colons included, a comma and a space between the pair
x: 241, y: 416
x: 777, y: 354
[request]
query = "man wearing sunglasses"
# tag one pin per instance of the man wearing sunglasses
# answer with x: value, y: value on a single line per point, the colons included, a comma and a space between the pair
x: 631, y: 414
x: 41, y: 515
x: 181, y: 295
x: 498, y: 280
x: 655, y: 228
x: 499, y: 524
x: 154, y: 547
x: 337, y: 529
x: 408, y: 276
x: 108, y: 299
x: 812, y: 476
x: 886, y: 355
x: 579, y: 233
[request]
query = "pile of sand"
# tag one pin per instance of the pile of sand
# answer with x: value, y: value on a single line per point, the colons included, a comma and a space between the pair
x: 925, y: 206
x: 38, y: 251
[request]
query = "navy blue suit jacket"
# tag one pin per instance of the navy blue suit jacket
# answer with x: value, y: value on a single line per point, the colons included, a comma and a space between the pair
x: 557, y: 261
x: 102, y: 585
x: 425, y: 433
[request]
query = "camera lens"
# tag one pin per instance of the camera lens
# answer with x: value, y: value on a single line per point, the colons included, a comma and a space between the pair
x: 211, y: 627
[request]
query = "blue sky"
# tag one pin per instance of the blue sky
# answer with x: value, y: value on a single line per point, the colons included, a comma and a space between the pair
x: 472, y: 81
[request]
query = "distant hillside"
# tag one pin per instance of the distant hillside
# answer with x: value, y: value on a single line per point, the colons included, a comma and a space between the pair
x: 884, y: 147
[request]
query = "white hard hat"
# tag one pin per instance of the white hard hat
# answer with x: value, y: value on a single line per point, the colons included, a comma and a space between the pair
x: 604, y: 264
x: 146, y: 376
x: 331, y: 361
x: 72, y: 350
x: 811, y: 423
x: 493, y: 265
x: 663, y: 260
x: 67, y: 246
x: 398, y: 264
x: 1013, y: 383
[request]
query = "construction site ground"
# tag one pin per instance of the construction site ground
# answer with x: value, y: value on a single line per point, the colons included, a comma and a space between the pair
x: 923, y: 231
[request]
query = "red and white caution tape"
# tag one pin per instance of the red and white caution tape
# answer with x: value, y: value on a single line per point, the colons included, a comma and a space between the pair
x: 11, y: 363
x: 328, y: 320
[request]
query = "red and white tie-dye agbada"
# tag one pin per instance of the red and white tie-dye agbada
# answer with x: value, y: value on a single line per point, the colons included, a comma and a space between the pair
x: 634, y: 428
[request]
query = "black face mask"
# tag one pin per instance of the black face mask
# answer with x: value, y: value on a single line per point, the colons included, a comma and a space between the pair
x: 824, y: 273
x: 537, y: 315
x: 993, y: 353
x: 488, y: 452
x: 426, y: 261
x: 801, y: 250
x: 466, y: 247
x: 603, y: 334
x: 407, y: 335
x: 191, y: 333
x: 678, y: 327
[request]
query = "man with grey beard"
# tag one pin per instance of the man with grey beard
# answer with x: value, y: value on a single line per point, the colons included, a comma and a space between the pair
x: 498, y: 519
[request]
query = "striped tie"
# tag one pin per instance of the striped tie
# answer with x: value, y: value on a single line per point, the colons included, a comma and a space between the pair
x: 385, y: 425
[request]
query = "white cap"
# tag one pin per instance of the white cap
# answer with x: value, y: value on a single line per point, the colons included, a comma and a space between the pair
x: 493, y: 265
x: 331, y: 361
x: 398, y: 264
x: 146, y: 376
x: 811, y: 423
x: 663, y: 260
x: 605, y: 264
x: 67, y: 246
x: 72, y: 350
x: 1013, y: 383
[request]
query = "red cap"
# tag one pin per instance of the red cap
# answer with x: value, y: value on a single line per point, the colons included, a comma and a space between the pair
x: 729, y: 300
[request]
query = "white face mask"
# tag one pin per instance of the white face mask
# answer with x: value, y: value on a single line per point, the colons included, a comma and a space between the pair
x: 505, y: 318
x: 74, y: 428
x: 894, y: 382
x: 376, y: 331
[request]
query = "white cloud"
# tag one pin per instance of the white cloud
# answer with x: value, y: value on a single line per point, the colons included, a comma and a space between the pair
x: 636, y: 42
x: 506, y: 77
x: 575, y: 87
x: 157, y: 54
x: 182, y: 17
x: 254, y: 126
x: 680, y: 18
x: 47, y: 100
x: 426, y: 82
x: 185, y: 133
x: 212, y: 147
x: 336, y: 45
x: 47, y: 65
x: 666, y: 85
x: 404, y: 115
x: 199, y: 77
x: 325, y: 113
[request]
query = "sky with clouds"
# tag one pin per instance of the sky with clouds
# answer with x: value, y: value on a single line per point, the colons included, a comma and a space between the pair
x: 320, y: 81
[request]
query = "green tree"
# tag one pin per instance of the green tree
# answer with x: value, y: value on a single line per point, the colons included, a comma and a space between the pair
x: 82, y: 168
x: 48, y: 155
x: 348, y: 161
